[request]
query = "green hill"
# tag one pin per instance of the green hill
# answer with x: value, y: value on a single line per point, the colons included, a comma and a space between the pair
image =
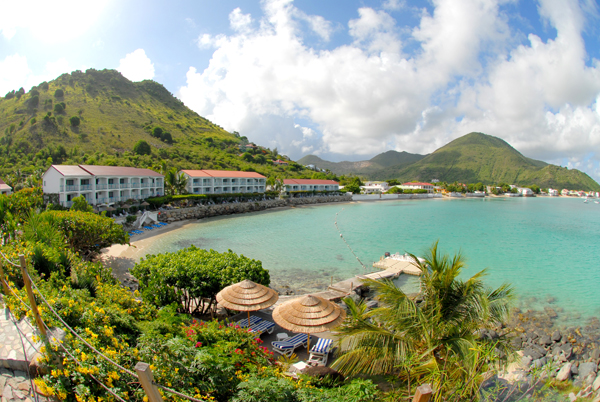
x: 40, y: 127
x: 375, y: 164
x: 478, y: 157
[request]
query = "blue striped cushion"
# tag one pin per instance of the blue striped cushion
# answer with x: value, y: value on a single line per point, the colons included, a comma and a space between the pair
x: 244, y: 322
x: 292, y: 342
x: 322, y: 346
x: 262, y: 326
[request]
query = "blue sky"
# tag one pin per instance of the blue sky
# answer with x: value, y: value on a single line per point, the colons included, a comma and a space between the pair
x: 342, y: 79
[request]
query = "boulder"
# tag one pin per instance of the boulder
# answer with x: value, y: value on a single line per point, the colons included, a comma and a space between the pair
x: 556, y: 336
x: 545, y: 340
x: 321, y: 372
x: 585, y: 369
x: 526, y: 361
x: 533, y: 353
x: 574, y: 370
x: 596, y: 383
x: 372, y: 304
x: 564, y: 373
x: 596, y: 354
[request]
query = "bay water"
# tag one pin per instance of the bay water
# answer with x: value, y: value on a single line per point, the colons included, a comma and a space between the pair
x: 547, y: 248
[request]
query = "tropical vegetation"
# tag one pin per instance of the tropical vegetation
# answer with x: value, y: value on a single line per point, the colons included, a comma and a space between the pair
x: 433, y: 337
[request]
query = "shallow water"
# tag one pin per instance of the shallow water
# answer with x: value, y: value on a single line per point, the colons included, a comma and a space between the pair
x: 547, y: 248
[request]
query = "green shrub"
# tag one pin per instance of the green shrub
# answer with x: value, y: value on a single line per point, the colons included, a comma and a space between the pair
x: 193, y: 274
x: 75, y: 121
x: 142, y: 148
x: 59, y: 93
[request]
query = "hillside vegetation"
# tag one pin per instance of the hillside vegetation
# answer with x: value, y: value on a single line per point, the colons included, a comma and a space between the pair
x: 98, y: 117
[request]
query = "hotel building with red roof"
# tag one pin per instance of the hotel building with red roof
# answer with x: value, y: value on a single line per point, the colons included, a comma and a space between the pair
x: 310, y: 185
x: 417, y: 186
x: 224, y: 182
x: 102, y: 184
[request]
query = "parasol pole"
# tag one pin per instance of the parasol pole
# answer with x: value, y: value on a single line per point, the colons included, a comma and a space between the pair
x: 248, y: 319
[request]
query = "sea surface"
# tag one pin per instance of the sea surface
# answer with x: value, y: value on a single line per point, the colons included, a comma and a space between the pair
x: 547, y: 248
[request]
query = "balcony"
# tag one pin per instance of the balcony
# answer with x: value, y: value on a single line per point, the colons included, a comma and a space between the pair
x: 73, y: 187
x: 124, y: 185
x: 145, y: 185
x: 113, y: 186
x: 135, y: 184
x: 84, y: 187
x: 68, y: 204
x: 101, y: 186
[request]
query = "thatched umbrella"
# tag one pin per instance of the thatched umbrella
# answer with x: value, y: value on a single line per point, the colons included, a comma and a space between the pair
x: 309, y: 314
x: 145, y: 204
x: 110, y: 209
x: 247, y: 296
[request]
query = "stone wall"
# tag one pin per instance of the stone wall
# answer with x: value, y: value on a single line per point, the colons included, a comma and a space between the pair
x: 205, y: 211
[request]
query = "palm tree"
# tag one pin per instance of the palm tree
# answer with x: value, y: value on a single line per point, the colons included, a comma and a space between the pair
x: 276, y: 183
x: 176, y: 183
x: 430, y: 337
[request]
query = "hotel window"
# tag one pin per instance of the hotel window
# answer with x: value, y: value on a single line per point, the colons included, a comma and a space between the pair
x: 69, y: 182
x: 111, y: 181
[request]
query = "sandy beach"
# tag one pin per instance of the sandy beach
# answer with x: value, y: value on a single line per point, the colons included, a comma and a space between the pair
x: 122, y: 257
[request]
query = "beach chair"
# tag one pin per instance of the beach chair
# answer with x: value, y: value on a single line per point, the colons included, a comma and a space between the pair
x: 288, y: 346
x: 244, y: 322
x: 319, y: 352
x: 262, y: 327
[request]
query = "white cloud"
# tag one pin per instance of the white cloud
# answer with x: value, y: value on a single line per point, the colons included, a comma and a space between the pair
x: 136, y: 66
x: 465, y: 75
x: 49, y: 21
x: 16, y: 73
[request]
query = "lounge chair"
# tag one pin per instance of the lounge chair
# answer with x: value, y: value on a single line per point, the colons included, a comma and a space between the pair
x: 244, y: 322
x: 319, y: 352
x: 288, y: 346
x: 262, y: 327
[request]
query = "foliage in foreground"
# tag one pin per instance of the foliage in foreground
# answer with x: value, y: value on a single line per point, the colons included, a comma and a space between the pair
x: 432, y: 338
x: 193, y: 274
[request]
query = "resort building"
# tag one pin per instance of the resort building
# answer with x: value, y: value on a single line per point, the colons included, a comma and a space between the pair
x: 371, y: 187
x: 417, y: 186
x: 310, y: 185
x: 553, y: 192
x: 280, y: 162
x: 102, y: 184
x: 5, y: 188
x: 525, y: 192
x: 224, y: 182
x: 564, y: 192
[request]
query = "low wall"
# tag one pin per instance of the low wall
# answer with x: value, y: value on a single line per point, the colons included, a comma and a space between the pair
x: 376, y: 197
x: 206, y: 211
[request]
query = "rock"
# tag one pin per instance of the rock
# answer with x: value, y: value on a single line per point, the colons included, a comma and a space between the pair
x: 585, y: 369
x: 564, y: 373
x: 526, y: 361
x: 572, y: 397
x: 556, y: 336
x: 574, y: 370
x: 550, y: 312
x: 7, y: 393
x: 539, y: 363
x: 545, y: 340
x: 596, y: 383
x: 322, y: 372
x: 492, y: 334
x: 372, y: 304
x: 596, y: 354
x: 534, y: 354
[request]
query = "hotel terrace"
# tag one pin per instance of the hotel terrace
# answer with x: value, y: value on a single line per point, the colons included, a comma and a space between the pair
x: 310, y: 185
x: 224, y: 182
x: 101, y: 184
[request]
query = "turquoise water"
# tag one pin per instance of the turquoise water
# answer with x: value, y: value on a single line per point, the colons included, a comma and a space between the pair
x: 547, y: 248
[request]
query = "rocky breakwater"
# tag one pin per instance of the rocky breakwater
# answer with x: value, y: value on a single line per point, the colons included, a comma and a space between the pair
x: 564, y: 353
x: 206, y: 211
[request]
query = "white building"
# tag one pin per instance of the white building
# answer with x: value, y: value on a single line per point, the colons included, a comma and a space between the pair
x: 371, y: 187
x: 553, y: 192
x: 5, y: 188
x: 224, y: 182
x: 417, y: 186
x: 310, y: 185
x: 102, y: 184
x: 525, y: 192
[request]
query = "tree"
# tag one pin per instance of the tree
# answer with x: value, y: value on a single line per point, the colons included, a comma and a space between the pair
x: 433, y: 337
x: 166, y: 137
x: 75, y: 121
x: 34, y: 101
x: 352, y: 188
x: 157, y: 132
x: 393, y: 182
x: 59, y: 93
x: 176, y: 183
x: 81, y: 204
x: 142, y: 148
x: 192, y: 277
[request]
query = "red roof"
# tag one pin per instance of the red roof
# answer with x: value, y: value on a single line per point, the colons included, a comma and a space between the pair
x: 417, y: 184
x: 70, y: 170
x: 223, y: 173
x: 310, y: 181
x: 118, y: 171
x: 4, y: 186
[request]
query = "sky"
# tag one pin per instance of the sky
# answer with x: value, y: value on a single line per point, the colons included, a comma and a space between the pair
x: 342, y: 79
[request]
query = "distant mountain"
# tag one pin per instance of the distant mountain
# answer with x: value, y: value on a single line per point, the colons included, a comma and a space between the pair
x: 375, y: 164
x: 477, y: 157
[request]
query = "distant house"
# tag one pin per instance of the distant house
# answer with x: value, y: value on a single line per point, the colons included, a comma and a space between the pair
x: 5, y: 188
x: 525, y: 192
x: 311, y: 167
x: 310, y: 185
x: 417, y: 186
x: 279, y: 162
x: 224, y: 182
x: 371, y: 187
x: 564, y: 192
x: 552, y: 192
x: 102, y: 184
